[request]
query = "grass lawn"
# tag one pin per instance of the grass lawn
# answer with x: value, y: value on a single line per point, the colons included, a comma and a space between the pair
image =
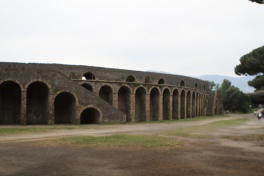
x: 184, y: 120
x: 122, y: 140
x: 248, y: 138
x: 201, y: 131
x: 46, y: 128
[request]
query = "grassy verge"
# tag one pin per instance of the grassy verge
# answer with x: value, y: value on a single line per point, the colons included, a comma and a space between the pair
x: 45, y: 128
x: 185, y: 120
x: 122, y: 140
x: 249, y: 138
x: 22, y: 130
x: 202, y: 130
x: 33, y: 129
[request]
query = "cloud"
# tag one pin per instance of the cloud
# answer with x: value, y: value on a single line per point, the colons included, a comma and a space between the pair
x: 183, y: 37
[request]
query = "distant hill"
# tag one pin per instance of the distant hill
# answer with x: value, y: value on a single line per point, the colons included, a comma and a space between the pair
x: 240, y: 82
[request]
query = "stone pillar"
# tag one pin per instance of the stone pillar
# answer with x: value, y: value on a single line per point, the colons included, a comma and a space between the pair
x: 201, y: 106
x: 23, y: 108
x: 185, y: 106
x: 160, y: 108
x: 147, y: 107
x: 179, y: 107
x: 115, y: 100
x: 197, y: 105
x: 191, y: 107
x: 170, y: 107
x: 51, y: 112
x: 78, y: 112
x: 194, y: 108
x: 132, y: 107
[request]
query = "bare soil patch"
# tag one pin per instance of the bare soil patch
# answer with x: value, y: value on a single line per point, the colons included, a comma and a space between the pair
x: 226, y: 150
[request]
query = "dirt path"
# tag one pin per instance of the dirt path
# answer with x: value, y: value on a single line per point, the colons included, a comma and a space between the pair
x: 23, y: 154
x: 151, y: 128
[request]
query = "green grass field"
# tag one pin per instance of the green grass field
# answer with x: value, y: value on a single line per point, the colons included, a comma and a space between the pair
x: 122, y: 140
x: 201, y: 130
x: 248, y: 138
x: 47, y: 128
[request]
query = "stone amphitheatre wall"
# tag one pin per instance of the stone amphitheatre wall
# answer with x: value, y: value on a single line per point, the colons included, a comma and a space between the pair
x: 61, y: 94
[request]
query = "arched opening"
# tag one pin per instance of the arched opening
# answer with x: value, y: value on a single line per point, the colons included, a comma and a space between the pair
x: 182, y: 84
x: 203, y: 107
x: 166, y: 104
x: 10, y: 103
x: 147, y: 79
x: 175, y: 104
x: 182, y: 104
x: 215, y: 110
x: 90, y: 116
x: 140, y: 103
x: 124, y: 101
x: 131, y: 78
x: 64, y: 107
x: 198, y: 105
x: 196, y: 85
x: 37, y: 103
x: 161, y: 81
x: 193, y: 104
x: 154, y: 104
x: 88, y: 87
x: 189, y: 104
x: 106, y: 93
x: 88, y: 76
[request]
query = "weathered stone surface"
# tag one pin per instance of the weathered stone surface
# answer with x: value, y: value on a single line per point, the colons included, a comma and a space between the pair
x: 53, y: 93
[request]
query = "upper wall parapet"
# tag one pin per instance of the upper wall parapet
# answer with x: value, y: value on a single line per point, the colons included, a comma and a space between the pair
x: 76, y: 72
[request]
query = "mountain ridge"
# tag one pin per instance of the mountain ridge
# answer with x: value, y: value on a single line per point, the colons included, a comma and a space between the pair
x: 240, y: 82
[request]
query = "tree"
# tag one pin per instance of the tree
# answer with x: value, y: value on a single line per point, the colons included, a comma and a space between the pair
x: 253, y: 64
x: 212, y: 85
x: 233, y: 99
x: 257, y: 97
x: 258, y: 1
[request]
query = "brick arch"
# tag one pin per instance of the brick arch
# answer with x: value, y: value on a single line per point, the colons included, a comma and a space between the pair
x: 65, y: 107
x: 182, y: 98
x: 124, y: 85
x: 38, y: 80
x: 175, y: 103
x: 37, y: 108
x: 68, y: 91
x: 162, y: 91
x: 10, y: 102
x: 88, y: 76
x: 124, y: 101
x: 140, y: 103
x: 131, y: 78
x: 140, y: 87
x: 147, y: 79
x: 87, y: 86
x: 161, y: 81
x: 154, y: 103
x: 106, y: 93
x: 153, y: 87
x: 98, y: 119
x: 14, y: 81
x: 166, y: 103
x: 198, y: 104
x: 193, y: 104
x: 182, y: 83
x: 188, y: 105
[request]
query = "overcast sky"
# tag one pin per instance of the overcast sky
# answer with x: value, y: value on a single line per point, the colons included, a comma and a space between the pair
x: 193, y: 37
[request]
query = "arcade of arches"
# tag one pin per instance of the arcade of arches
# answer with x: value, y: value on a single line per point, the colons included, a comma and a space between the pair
x: 138, y: 103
